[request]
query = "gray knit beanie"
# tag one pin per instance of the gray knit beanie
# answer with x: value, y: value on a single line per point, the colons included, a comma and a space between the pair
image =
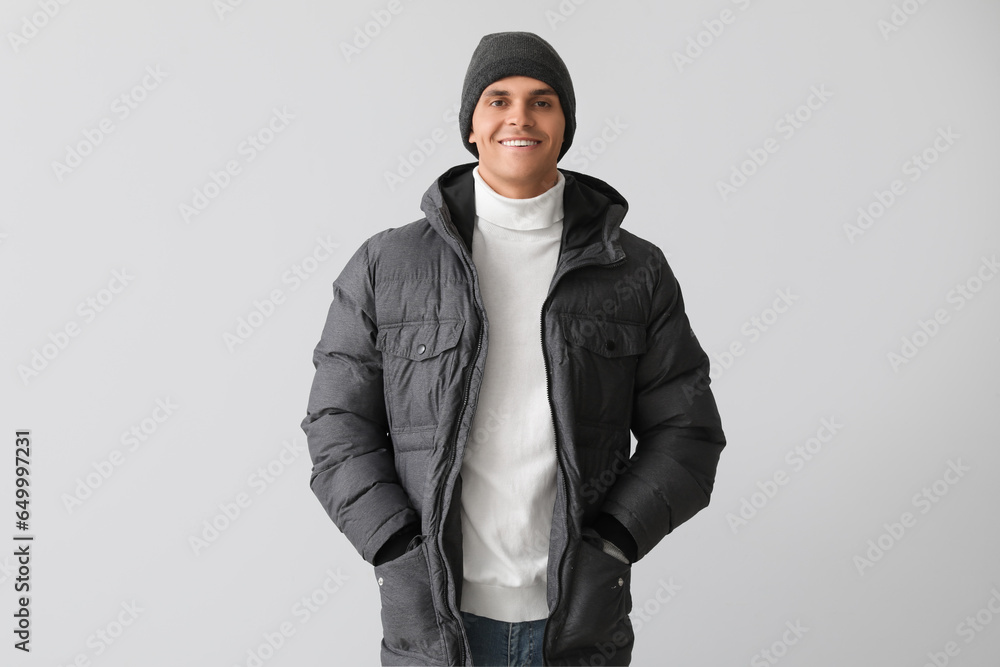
x: 503, y: 54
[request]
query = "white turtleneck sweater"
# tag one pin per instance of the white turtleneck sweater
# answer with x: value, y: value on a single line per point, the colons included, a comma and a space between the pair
x: 509, y: 469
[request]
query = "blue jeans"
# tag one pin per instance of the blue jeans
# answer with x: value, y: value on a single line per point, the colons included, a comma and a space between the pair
x: 505, y: 644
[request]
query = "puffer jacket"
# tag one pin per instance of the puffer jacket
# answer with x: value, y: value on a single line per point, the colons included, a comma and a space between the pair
x: 398, y: 371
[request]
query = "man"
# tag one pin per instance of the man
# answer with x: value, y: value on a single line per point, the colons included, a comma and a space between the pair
x: 482, y: 463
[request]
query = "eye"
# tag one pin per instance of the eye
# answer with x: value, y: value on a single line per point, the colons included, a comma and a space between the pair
x: 499, y: 101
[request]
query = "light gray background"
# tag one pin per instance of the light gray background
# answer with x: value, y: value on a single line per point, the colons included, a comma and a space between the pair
x: 680, y: 132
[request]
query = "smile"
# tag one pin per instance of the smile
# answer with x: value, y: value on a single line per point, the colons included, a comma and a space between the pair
x: 520, y: 142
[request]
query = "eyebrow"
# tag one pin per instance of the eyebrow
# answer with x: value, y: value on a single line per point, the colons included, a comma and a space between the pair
x: 496, y: 92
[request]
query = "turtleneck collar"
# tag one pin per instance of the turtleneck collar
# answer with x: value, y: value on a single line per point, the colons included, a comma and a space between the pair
x: 519, y: 214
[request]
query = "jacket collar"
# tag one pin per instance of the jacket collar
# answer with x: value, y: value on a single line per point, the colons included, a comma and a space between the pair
x: 592, y: 215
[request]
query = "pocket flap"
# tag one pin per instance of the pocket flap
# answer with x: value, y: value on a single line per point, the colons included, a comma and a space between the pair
x: 607, y: 338
x: 419, y: 340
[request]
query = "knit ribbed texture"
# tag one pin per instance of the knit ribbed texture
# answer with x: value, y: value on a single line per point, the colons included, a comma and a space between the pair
x: 509, y: 469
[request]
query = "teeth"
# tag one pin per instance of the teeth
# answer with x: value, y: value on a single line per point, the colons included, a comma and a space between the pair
x: 519, y: 142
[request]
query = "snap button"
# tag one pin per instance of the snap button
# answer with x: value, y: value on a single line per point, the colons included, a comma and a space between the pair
x: 609, y: 345
x: 421, y: 348
x: 621, y: 582
x: 380, y: 581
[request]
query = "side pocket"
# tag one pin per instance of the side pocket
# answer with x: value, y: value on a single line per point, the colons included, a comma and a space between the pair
x: 409, y: 622
x: 600, y: 600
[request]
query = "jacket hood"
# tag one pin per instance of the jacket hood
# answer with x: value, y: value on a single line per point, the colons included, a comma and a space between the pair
x: 593, y: 211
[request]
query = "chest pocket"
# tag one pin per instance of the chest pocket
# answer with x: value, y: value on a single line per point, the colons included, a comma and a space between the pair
x: 420, y: 365
x: 602, y: 356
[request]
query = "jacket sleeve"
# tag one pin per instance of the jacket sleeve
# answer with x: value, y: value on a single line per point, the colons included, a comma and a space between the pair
x: 675, y: 421
x: 354, y: 474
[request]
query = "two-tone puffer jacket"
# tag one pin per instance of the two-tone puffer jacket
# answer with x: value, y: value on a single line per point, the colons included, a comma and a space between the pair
x: 398, y: 371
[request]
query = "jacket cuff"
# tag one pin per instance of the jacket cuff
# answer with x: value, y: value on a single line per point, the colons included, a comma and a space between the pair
x: 396, y: 545
x: 397, y: 522
x: 613, y: 531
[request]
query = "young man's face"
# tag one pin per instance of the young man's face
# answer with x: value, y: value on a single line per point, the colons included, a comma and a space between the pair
x: 518, y: 107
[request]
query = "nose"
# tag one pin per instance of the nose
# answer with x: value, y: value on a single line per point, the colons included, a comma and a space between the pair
x: 520, y: 115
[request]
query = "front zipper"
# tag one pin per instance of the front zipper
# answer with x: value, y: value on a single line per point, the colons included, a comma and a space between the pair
x: 548, y: 392
x: 559, y: 465
x: 458, y: 425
